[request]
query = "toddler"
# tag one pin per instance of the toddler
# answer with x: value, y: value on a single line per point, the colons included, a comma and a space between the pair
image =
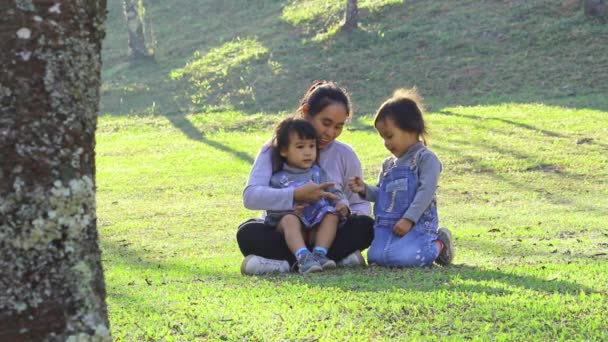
x: 295, y: 162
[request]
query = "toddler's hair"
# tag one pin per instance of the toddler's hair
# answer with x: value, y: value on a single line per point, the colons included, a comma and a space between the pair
x: 321, y: 94
x: 282, y: 133
x: 405, y: 109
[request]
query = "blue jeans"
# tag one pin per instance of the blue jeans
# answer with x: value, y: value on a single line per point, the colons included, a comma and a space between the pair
x: 396, y: 190
x: 417, y: 248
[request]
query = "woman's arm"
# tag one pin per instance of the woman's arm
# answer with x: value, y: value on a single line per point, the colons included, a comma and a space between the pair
x: 352, y: 168
x: 258, y: 195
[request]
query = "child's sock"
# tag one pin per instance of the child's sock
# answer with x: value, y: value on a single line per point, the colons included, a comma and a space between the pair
x: 439, y: 245
x: 320, y: 249
x: 300, y: 251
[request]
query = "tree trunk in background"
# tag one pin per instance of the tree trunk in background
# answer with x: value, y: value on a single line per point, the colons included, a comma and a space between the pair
x: 51, y: 280
x: 135, y: 26
x: 351, y: 15
x: 595, y: 8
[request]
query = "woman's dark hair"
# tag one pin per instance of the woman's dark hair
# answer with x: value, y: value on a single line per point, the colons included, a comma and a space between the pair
x: 282, y: 133
x: 405, y: 109
x: 321, y: 94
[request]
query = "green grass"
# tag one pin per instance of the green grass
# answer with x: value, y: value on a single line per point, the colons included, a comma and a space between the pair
x: 259, y: 56
x: 525, y: 201
x: 518, y: 113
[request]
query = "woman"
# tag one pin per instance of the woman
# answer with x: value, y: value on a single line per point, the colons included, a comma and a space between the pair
x: 327, y: 107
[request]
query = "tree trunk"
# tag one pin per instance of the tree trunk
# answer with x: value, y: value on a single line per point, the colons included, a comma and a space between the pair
x: 51, y: 280
x: 135, y: 26
x: 595, y: 8
x: 351, y: 15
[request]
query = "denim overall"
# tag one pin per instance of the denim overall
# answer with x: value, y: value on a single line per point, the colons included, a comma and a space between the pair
x: 396, y: 192
x: 314, y: 213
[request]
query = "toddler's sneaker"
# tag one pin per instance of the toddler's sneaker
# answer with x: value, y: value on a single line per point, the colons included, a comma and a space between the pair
x: 323, y: 260
x: 447, y: 253
x: 353, y: 259
x: 257, y: 265
x: 307, y: 263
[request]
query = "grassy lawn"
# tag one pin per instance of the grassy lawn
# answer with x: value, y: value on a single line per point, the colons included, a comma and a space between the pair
x: 518, y: 115
x: 523, y: 189
x: 259, y: 56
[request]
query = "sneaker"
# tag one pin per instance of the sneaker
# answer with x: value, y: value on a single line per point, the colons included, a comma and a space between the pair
x: 323, y: 260
x: 447, y: 253
x: 307, y: 263
x: 256, y: 265
x: 353, y: 259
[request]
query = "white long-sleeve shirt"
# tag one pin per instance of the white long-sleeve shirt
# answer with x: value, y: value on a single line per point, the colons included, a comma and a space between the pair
x: 338, y: 159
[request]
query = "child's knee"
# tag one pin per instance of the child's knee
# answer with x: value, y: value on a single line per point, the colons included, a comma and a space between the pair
x: 289, y: 221
x: 373, y: 257
x: 410, y: 258
x: 330, y: 218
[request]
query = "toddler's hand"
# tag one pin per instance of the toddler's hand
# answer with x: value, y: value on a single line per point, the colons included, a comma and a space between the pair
x: 402, y: 227
x: 343, y: 209
x: 356, y: 185
x: 298, y: 209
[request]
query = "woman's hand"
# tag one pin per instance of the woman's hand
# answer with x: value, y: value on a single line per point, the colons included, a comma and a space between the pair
x: 343, y: 209
x: 357, y: 185
x: 402, y: 227
x: 312, y: 192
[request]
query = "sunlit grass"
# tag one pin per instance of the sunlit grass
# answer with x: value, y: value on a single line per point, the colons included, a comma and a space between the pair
x: 259, y: 56
x: 523, y: 189
x: 298, y: 12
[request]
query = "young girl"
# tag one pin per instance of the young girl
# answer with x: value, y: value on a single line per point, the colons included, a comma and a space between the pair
x: 405, y: 210
x: 295, y: 162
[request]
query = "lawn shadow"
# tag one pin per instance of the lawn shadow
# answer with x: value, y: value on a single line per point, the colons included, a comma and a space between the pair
x: 548, y: 167
x: 549, y: 170
x: 514, y: 123
x: 252, y: 85
x: 541, y: 251
x: 457, y: 277
x: 548, y: 133
x: 194, y: 133
x: 460, y: 278
x: 207, y: 297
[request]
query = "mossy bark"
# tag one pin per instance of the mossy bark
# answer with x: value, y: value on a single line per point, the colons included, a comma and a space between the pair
x: 51, y: 279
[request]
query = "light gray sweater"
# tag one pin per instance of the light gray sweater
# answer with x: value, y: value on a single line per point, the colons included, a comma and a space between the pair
x: 338, y: 159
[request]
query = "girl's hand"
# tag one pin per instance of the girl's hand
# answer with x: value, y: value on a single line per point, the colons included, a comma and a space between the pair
x: 356, y: 185
x: 342, y: 209
x: 402, y: 227
x: 312, y: 192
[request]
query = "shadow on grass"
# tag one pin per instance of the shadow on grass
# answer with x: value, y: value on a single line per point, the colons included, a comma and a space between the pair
x: 514, y: 123
x: 194, y: 133
x: 457, y: 278
x: 366, y: 60
x: 545, y: 166
x: 520, y: 125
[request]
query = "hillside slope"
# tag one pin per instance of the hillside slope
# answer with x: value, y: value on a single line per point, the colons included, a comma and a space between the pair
x: 259, y: 56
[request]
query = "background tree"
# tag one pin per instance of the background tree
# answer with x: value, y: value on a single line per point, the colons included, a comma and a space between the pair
x: 51, y: 280
x: 595, y: 8
x: 134, y: 11
x: 351, y: 15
